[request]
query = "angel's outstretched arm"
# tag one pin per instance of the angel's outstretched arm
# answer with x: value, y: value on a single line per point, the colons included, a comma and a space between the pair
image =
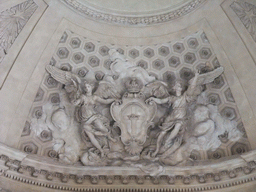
x: 103, y: 101
x: 193, y: 85
x: 159, y: 101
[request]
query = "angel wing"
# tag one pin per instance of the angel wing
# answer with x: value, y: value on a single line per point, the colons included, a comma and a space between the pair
x: 64, y: 77
x: 208, y: 77
x: 107, y: 90
x: 70, y: 80
x: 158, y: 89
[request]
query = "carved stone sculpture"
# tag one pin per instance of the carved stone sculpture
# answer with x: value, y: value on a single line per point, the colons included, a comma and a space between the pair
x: 133, y: 116
x: 175, y: 120
x: 91, y: 121
x: 122, y: 68
x: 129, y: 133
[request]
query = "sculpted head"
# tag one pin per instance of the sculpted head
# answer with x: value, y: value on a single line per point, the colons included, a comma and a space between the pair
x: 178, y: 87
x: 88, y: 87
x: 161, y: 91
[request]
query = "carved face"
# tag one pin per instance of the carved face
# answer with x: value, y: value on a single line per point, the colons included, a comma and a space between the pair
x: 160, y: 92
x: 88, y: 88
x: 178, y: 89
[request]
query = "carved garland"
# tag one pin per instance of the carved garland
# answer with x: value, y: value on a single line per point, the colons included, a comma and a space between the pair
x: 125, y: 20
x: 16, y: 169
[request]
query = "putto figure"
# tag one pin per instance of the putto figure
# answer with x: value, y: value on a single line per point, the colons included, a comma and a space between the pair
x: 122, y: 68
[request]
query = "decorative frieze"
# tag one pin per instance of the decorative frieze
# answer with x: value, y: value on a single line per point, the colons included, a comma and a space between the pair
x: 224, y: 174
x: 133, y: 20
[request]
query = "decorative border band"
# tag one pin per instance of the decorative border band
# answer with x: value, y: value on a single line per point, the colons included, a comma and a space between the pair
x: 129, y: 20
x: 138, y: 188
x: 28, y: 171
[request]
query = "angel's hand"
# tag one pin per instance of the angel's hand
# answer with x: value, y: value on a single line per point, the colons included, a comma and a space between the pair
x: 75, y: 102
x: 197, y: 73
x: 149, y: 100
x: 118, y: 102
x: 74, y: 82
x: 78, y: 95
x: 111, y: 100
x: 194, y: 80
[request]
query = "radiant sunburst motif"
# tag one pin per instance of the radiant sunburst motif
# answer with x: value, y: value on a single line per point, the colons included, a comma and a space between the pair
x: 12, y: 22
x: 247, y: 14
x: 133, y: 148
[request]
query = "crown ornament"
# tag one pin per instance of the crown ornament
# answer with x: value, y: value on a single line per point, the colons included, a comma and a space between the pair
x: 133, y: 85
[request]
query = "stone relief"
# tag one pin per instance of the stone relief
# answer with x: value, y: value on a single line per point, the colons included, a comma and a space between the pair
x: 247, y: 14
x: 113, y: 122
x: 12, y: 22
x: 98, y: 94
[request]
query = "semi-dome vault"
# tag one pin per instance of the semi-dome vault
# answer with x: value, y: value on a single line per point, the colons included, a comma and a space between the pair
x: 127, y: 96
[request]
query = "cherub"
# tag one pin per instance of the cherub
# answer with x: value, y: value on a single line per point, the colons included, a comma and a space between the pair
x: 175, y: 120
x: 122, y: 68
x: 92, y: 121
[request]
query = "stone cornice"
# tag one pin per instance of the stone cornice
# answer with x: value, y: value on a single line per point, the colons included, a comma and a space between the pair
x: 133, y: 20
x: 45, y: 172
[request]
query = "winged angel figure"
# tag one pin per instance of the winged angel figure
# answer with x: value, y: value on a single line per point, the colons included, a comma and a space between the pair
x: 175, y: 120
x: 81, y: 95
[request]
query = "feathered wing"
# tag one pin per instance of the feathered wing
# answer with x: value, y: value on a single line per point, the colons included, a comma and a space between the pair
x: 208, y: 77
x: 158, y: 89
x: 70, y: 80
x: 107, y: 90
x: 203, y: 79
x: 59, y: 75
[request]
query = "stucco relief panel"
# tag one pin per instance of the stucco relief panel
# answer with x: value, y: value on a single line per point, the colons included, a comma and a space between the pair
x: 166, y: 62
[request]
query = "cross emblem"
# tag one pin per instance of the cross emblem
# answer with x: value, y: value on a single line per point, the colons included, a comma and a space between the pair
x: 133, y: 118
